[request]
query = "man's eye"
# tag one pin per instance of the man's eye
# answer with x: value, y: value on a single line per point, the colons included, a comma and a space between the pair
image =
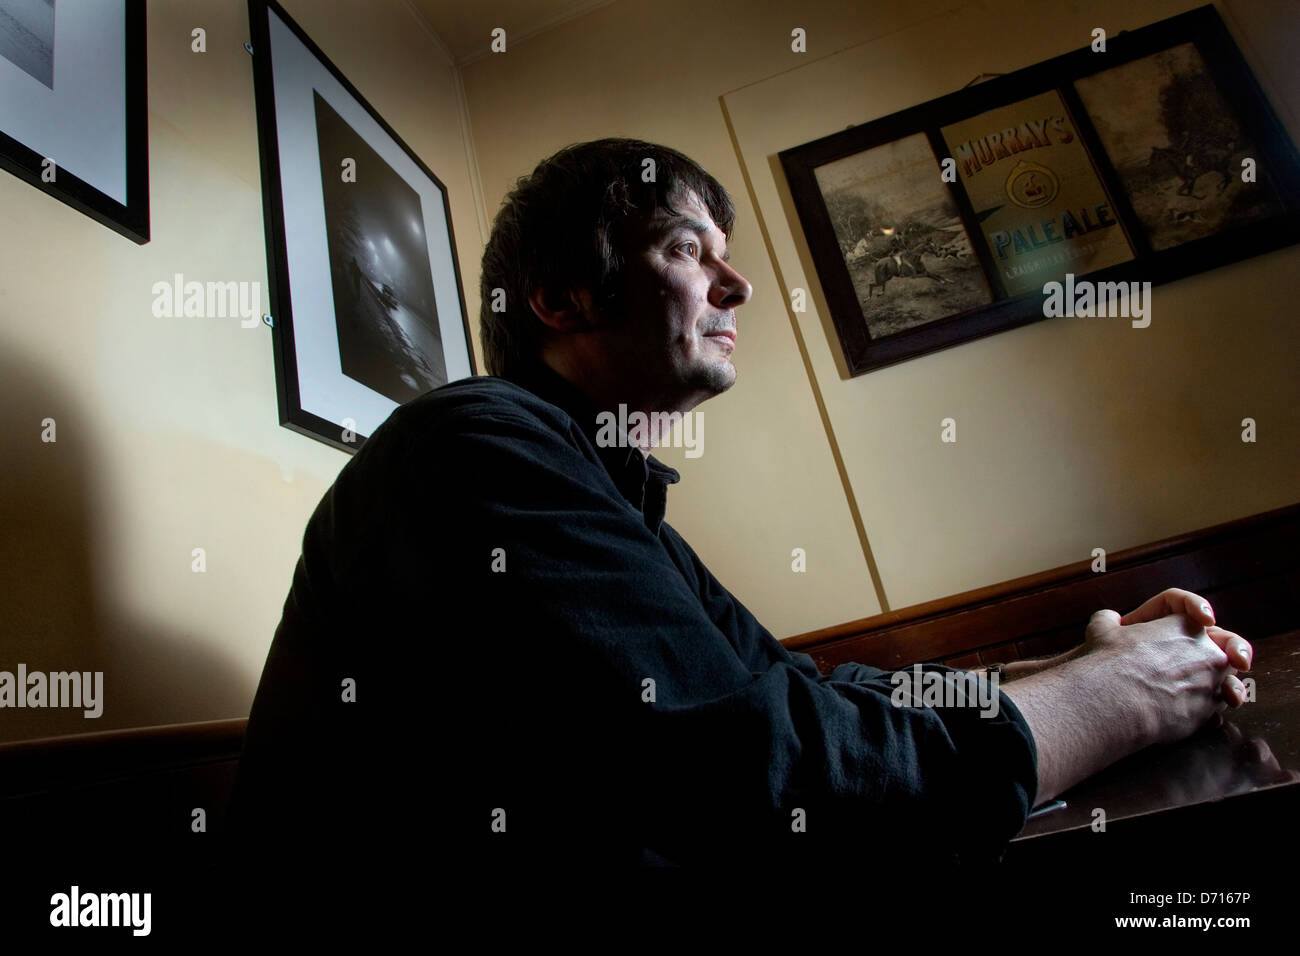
x: 692, y: 244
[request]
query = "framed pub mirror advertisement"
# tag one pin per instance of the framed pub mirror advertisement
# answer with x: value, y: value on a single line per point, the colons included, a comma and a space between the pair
x: 1152, y: 159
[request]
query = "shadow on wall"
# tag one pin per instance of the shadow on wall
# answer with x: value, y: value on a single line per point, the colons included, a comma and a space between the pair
x: 54, y: 614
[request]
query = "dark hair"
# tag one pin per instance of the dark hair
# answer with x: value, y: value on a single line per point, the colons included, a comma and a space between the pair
x: 564, y: 226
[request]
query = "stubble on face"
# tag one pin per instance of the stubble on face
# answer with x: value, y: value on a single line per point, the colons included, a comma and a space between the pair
x: 670, y: 324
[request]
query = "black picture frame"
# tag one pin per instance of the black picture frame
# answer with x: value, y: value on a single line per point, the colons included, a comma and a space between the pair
x: 359, y: 334
x: 1203, y: 29
x: 88, y: 193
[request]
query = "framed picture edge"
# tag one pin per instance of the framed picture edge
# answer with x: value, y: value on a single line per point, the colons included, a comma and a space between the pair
x: 292, y: 415
x: 131, y: 220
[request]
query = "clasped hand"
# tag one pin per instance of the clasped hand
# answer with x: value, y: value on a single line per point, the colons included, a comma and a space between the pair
x: 1187, y: 664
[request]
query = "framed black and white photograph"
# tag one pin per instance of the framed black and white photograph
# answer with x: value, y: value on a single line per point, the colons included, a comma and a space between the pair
x: 1155, y: 159
x: 892, y: 216
x: 366, y: 300
x: 74, y: 106
x: 1178, y: 147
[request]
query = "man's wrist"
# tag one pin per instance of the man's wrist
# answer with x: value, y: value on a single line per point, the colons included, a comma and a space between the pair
x: 1018, y: 669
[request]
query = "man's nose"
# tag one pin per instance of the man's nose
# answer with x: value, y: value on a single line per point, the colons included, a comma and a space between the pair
x: 730, y: 288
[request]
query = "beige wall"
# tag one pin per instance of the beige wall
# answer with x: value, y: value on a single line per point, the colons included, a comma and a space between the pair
x: 168, y: 435
x: 1071, y: 436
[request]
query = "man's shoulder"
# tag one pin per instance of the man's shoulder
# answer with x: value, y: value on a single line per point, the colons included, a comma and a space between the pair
x: 463, y: 413
x: 470, y: 403
x: 476, y: 395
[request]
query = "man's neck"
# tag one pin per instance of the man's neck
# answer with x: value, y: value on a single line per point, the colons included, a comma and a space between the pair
x: 607, y: 393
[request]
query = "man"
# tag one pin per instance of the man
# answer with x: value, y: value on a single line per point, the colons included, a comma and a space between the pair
x: 495, y: 643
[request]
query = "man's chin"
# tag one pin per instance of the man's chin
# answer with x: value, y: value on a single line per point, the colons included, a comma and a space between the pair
x: 705, y: 380
x: 721, y: 377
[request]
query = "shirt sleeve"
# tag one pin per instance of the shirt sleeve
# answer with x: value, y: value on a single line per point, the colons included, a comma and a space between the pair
x: 998, y: 756
x: 713, y: 739
x: 752, y: 641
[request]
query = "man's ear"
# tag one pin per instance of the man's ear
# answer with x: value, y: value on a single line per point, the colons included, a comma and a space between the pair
x: 570, y: 311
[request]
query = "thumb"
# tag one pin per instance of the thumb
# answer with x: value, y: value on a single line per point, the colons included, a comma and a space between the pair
x: 1106, y: 618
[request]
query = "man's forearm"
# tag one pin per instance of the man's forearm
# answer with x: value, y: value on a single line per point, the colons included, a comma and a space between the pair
x: 1079, y: 722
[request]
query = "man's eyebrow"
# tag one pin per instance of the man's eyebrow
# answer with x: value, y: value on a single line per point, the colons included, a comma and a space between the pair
x: 663, y: 227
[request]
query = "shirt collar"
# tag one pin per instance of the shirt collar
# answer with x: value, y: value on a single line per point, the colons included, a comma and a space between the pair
x: 643, y: 479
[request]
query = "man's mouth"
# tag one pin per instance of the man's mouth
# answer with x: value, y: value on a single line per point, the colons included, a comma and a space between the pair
x: 728, y: 334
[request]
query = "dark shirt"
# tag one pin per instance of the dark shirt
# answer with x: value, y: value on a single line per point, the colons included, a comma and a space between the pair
x: 533, y: 646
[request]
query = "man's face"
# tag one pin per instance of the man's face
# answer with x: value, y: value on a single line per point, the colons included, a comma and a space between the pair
x: 676, y: 330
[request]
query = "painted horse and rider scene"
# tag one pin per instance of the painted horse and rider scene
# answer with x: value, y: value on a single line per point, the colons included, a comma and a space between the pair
x: 1177, y: 147
x: 907, y: 252
x: 896, y: 287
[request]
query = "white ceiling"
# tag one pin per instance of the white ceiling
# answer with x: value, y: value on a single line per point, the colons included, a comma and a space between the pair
x: 465, y: 26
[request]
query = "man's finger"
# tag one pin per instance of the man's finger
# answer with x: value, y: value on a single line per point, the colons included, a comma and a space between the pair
x: 1233, y: 691
x: 1172, y: 601
x: 1260, y: 752
x: 1240, y: 653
